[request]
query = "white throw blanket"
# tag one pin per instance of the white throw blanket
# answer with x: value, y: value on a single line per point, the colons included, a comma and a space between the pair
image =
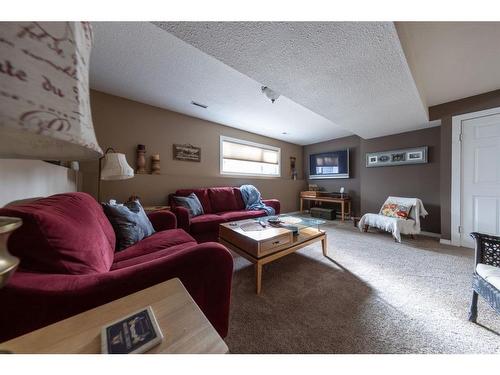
x: 395, y: 225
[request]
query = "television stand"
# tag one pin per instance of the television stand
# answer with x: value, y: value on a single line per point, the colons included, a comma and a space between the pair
x: 342, y: 201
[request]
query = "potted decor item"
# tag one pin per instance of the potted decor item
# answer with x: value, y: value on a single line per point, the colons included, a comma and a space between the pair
x: 141, y: 159
x: 155, y: 164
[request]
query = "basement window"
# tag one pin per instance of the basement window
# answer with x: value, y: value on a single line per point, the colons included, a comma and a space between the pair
x: 244, y: 158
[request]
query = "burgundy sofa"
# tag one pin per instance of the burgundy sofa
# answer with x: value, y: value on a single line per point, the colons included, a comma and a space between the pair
x: 220, y: 205
x: 68, y: 264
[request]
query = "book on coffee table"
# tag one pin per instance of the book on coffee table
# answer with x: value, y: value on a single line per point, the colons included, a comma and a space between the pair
x: 132, y: 334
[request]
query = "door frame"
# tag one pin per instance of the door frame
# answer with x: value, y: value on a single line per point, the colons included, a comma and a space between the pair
x: 456, y: 170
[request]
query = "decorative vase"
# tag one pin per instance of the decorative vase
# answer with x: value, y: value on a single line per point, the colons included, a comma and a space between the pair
x: 155, y: 164
x: 141, y: 159
x: 293, y: 169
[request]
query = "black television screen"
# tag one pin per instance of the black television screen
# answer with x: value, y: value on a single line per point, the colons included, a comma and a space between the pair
x: 334, y: 164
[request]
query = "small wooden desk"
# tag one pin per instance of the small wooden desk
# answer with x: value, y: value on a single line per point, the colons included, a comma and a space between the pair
x: 341, y: 201
x: 185, y: 328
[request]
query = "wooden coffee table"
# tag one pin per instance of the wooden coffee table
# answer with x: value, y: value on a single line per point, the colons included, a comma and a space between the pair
x: 269, y: 244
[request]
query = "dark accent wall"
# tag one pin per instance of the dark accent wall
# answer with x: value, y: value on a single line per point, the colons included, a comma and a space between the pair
x: 412, y: 180
x: 369, y: 187
x: 445, y: 112
x: 351, y: 184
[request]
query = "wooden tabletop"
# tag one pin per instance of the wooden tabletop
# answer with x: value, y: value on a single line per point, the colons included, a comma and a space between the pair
x: 185, y: 328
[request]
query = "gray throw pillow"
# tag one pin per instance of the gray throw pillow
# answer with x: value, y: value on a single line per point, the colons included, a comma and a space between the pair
x: 191, y: 202
x: 129, y: 221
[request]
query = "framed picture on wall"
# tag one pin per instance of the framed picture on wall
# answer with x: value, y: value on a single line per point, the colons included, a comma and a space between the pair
x: 415, y: 155
x: 187, y: 152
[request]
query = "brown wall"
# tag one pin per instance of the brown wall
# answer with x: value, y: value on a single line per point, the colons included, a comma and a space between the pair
x: 418, y: 180
x: 352, y: 184
x: 122, y: 124
x: 445, y: 112
x: 370, y: 187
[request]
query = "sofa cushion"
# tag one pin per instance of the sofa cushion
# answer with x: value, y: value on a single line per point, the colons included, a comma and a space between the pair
x: 223, y: 199
x: 206, y: 223
x: 129, y: 222
x: 202, y: 195
x: 191, y: 202
x: 490, y: 273
x: 152, y: 247
x: 64, y: 233
x: 241, y: 215
x: 239, y: 199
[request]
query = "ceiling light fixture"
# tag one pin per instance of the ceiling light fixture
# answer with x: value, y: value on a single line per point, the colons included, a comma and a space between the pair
x: 199, y: 104
x: 271, y: 94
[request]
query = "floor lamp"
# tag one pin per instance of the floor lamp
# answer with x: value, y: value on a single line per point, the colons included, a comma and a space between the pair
x: 113, y: 166
x: 45, y: 104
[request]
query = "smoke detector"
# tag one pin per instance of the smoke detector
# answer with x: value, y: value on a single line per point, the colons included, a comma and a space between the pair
x: 271, y: 94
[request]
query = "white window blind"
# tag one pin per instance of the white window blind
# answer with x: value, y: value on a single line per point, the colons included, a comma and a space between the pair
x: 239, y: 157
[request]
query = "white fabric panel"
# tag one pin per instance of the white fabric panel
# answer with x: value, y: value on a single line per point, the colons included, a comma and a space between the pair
x: 490, y: 273
x: 394, y: 225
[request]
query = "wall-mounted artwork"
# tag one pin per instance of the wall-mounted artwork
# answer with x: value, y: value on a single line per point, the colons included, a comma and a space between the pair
x: 415, y: 155
x: 187, y: 153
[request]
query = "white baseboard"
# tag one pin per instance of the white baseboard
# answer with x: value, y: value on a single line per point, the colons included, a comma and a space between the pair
x: 445, y: 242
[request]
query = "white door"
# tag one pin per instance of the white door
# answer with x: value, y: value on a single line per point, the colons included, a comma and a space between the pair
x: 480, y: 177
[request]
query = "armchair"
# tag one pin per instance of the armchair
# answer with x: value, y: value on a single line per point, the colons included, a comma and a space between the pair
x: 396, y: 226
x: 486, y: 277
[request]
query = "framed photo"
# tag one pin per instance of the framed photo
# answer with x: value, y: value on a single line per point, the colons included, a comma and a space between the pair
x: 415, y: 155
x: 400, y: 156
x: 187, y: 152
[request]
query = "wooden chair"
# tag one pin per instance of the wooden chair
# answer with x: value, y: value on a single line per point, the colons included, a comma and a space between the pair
x: 486, y: 277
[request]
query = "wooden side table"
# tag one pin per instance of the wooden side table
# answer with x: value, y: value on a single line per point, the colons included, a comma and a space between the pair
x: 342, y: 201
x: 185, y: 328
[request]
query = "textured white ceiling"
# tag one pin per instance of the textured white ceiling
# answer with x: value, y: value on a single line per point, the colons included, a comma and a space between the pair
x: 139, y: 61
x: 452, y: 60
x: 353, y: 73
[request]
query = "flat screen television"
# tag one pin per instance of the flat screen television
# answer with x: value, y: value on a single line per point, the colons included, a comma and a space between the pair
x: 333, y: 164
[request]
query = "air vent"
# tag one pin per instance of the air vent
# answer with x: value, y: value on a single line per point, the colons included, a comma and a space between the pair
x: 199, y: 104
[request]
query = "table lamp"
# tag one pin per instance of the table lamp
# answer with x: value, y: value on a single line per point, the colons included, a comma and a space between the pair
x: 113, y: 166
x: 45, y: 105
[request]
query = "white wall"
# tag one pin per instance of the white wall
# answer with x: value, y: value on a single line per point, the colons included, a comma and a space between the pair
x: 22, y: 179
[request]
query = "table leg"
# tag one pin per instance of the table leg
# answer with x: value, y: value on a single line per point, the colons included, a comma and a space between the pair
x: 258, y: 277
x: 301, y: 205
x: 349, y: 208
x: 324, y: 245
x: 342, y: 208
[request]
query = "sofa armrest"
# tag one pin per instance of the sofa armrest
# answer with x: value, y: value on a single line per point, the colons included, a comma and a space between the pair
x: 183, y: 220
x: 162, y: 220
x: 205, y: 270
x: 274, y: 203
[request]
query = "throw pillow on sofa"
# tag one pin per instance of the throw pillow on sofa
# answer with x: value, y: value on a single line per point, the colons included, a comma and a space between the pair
x: 191, y: 202
x: 129, y: 221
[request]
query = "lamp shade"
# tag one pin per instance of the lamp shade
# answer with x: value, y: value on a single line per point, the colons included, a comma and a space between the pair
x: 44, y: 91
x: 115, y: 167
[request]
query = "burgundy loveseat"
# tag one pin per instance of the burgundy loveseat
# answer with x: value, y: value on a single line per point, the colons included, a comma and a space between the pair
x: 220, y: 205
x: 68, y: 264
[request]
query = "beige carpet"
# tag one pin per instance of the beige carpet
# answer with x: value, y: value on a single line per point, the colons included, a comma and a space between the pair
x: 376, y: 296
